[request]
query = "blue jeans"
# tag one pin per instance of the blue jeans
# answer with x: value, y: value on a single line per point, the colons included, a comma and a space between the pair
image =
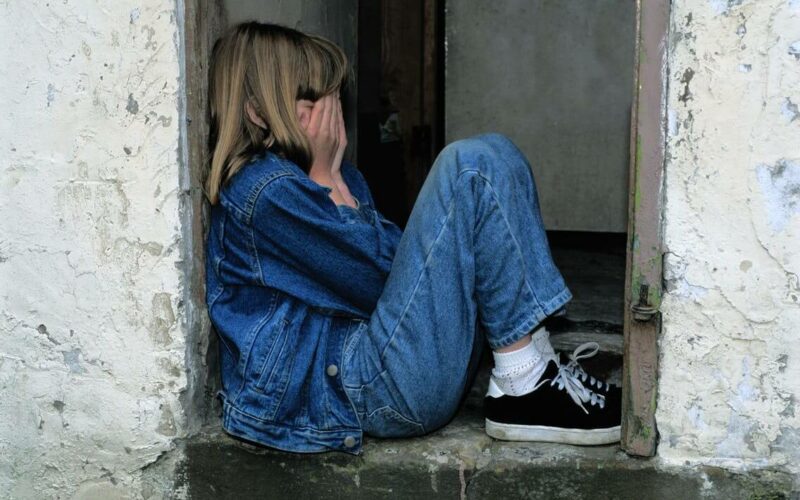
x: 473, y: 262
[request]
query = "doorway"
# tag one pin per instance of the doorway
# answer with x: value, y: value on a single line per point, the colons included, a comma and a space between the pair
x: 580, y: 86
x: 564, y: 80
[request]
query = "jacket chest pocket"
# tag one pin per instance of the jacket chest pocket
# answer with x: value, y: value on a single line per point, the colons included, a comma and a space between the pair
x: 270, y: 368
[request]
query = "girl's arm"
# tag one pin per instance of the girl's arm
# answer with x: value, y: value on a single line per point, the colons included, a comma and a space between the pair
x: 301, y: 237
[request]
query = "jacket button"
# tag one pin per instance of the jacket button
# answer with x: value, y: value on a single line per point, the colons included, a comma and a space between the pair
x: 349, y: 441
x: 332, y: 370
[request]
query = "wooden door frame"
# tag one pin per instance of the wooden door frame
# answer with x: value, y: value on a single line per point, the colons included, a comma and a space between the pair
x: 643, y: 272
x: 202, y: 23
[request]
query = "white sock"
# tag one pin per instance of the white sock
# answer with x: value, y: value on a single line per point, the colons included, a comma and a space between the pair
x: 517, y: 372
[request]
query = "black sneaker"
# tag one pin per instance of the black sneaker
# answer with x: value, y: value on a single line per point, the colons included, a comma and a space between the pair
x: 560, y: 410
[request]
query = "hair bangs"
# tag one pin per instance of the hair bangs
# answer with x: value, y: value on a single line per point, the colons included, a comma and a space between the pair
x: 327, y: 69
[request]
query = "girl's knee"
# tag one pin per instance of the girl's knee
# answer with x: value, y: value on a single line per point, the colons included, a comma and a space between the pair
x: 468, y: 145
x: 493, y: 155
x: 490, y: 143
x: 498, y: 140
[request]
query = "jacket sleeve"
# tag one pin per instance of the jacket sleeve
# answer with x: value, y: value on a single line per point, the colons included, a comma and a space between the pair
x: 330, y: 256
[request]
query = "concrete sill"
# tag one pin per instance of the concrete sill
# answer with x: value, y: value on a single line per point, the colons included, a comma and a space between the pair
x: 458, y: 461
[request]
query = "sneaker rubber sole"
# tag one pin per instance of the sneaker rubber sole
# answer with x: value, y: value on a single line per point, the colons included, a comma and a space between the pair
x: 513, y: 432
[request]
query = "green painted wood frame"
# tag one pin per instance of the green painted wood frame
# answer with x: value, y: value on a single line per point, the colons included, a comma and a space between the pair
x: 643, y: 275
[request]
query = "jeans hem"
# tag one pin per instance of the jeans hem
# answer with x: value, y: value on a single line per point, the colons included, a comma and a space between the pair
x: 536, y: 317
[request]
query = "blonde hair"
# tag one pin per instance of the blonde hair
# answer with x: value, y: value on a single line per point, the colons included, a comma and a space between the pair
x: 270, y: 66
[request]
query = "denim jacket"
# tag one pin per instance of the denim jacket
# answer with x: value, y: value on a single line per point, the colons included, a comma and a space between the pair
x: 290, y: 276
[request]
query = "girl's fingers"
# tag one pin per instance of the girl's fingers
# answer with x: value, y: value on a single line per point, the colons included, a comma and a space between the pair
x: 339, y: 116
x: 334, y: 130
x: 342, y: 131
x: 331, y: 131
x: 325, y: 126
x: 315, y: 121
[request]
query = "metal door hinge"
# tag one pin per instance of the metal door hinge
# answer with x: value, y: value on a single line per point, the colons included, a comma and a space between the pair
x: 643, y: 311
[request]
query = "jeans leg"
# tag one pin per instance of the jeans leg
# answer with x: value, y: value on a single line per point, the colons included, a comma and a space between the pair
x: 474, y: 257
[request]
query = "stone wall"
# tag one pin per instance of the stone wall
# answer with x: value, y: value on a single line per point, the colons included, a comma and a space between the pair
x: 730, y: 357
x: 92, y: 352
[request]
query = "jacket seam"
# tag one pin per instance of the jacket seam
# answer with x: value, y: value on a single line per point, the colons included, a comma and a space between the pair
x: 257, y: 386
x: 258, y: 257
x: 255, y: 193
x: 246, y: 361
x: 275, y: 368
x: 213, y: 297
x: 223, y: 224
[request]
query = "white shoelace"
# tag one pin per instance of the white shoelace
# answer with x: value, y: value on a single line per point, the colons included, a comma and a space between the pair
x: 578, y: 370
x: 569, y: 379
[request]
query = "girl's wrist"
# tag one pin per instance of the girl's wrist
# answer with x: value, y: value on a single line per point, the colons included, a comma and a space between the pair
x: 343, y: 189
x: 333, y: 179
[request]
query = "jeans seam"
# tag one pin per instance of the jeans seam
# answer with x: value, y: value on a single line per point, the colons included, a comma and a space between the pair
x: 535, y: 317
x: 517, y: 246
x: 419, y: 280
x: 399, y: 414
x: 348, y: 348
x: 402, y: 317
x: 369, y: 382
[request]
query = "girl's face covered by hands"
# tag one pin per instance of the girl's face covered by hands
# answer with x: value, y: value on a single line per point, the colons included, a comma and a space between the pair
x: 323, y: 123
x: 303, y: 108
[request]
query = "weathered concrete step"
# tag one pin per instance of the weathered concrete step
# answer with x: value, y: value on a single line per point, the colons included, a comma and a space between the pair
x: 566, y: 334
x: 458, y: 461
x: 611, y: 343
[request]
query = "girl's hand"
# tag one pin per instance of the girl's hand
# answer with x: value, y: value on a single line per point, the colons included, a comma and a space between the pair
x: 328, y: 138
x: 342, y: 139
x: 323, y: 133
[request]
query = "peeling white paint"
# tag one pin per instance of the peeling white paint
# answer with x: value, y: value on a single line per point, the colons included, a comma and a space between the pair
x: 93, y: 352
x: 789, y: 110
x: 723, y: 6
x: 780, y: 185
x: 794, y: 50
x: 730, y: 361
x: 673, y: 125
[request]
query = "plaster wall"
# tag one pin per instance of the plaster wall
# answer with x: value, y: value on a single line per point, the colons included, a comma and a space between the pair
x: 91, y: 294
x: 730, y: 359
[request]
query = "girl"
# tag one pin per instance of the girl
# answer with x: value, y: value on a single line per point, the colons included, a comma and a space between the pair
x: 332, y: 321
